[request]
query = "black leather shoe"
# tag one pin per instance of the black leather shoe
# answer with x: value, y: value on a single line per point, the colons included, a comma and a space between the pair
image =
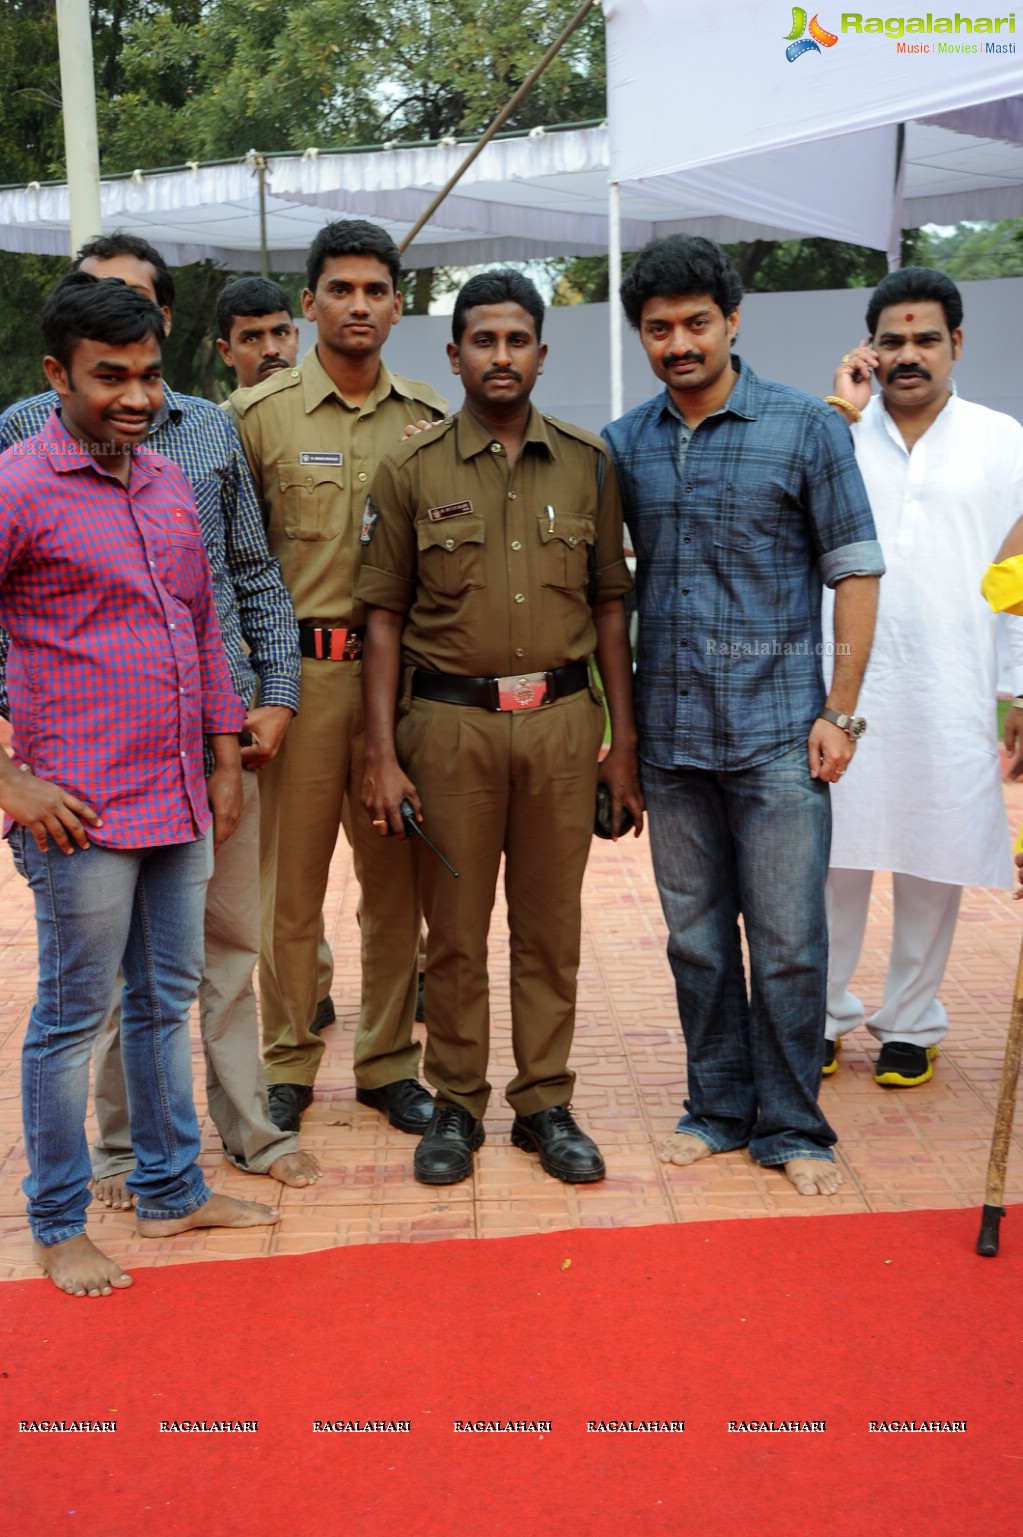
x: 566, y: 1152
x: 444, y: 1156
x: 405, y: 1103
x: 287, y: 1101
x: 325, y: 1015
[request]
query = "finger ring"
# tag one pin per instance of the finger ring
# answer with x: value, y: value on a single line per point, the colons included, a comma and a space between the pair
x: 846, y: 357
x: 379, y: 821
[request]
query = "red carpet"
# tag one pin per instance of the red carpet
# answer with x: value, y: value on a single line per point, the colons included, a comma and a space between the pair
x: 840, y: 1319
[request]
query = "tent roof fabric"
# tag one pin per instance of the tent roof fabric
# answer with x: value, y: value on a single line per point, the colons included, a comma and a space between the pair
x: 526, y: 197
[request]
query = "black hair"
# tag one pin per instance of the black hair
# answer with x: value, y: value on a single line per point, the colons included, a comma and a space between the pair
x: 351, y: 237
x: 680, y: 265
x: 249, y: 296
x: 86, y: 308
x: 916, y: 285
x: 105, y: 247
x: 502, y: 285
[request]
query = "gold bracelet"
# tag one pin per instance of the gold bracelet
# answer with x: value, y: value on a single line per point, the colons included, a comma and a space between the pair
x: 843, y: 405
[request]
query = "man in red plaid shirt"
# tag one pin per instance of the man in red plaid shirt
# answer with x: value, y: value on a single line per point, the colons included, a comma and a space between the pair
x: 116, y: 671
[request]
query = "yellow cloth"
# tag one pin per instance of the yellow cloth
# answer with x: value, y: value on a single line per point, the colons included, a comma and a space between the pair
x: 1002, y: 585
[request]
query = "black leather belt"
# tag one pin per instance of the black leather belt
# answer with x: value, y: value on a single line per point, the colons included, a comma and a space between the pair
x: 522, y: 691
x: 331, y: 645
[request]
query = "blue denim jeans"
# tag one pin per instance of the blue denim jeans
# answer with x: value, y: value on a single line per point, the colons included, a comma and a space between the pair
x: 755, y: 843
x: 98, y: 910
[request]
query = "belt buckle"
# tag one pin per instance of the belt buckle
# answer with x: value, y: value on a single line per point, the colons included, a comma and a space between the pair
x: 524, y: 692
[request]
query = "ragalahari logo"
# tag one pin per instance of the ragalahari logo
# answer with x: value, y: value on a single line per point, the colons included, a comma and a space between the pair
x: 799, y: 43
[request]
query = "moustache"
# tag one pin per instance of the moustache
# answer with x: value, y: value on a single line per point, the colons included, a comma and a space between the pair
x: 268, y: 365
x: 502, y: 373
x: 683, y: 357
x: 907, y: 371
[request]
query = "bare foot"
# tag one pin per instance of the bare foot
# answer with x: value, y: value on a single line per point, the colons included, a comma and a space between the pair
x: 682, y: 1148
x: 218, y: 1211
x: 813, y: 1176
x: 77, y: 1267
x: 295, y: 1169
x: 113, y: 1191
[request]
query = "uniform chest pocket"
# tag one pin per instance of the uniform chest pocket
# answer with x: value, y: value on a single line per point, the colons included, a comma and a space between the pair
x: 180, y: 563
x: 565, y: 551
x: 452, y: 555
x: 312, y: 500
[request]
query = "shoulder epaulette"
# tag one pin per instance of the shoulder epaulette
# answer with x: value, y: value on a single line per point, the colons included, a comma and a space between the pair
x: 283, y: 379
x: 409, y: 447
x: 572, y: 431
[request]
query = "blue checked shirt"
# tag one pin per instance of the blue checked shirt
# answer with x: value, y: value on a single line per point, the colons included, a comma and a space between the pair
x: 736, y: 526
x: 252, y: 602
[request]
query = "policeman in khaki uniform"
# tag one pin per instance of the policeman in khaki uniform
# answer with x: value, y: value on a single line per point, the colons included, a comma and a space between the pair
x: 492, y: 568
x: 313, y: 436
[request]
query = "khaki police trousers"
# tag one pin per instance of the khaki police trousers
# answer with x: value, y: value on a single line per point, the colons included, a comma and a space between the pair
x: 305, y: 793
x: 521, y: 784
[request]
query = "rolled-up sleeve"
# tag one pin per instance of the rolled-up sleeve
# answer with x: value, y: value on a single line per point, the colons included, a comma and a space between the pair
x: 838, y: 507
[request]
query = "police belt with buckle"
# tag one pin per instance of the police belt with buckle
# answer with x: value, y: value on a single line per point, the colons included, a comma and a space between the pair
x: 330, y: 645
x: 522, y: 692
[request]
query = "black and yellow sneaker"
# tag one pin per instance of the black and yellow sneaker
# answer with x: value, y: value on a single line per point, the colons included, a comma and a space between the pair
x: 831, y: 1050
x: 902, y: 1065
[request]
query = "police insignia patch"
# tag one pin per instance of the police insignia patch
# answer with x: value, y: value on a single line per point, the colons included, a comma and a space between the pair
x: 370, y: 515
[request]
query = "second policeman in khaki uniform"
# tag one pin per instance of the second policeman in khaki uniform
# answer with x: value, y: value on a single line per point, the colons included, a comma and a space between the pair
x: 492, y: 570
x: 313, y: 436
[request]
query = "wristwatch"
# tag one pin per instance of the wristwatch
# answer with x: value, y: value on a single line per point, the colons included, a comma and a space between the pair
x: 853, y: 725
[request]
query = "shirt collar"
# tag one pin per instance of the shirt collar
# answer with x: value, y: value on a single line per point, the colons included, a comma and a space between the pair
x: 66, y: 453
x: 318, y: 386
x: 171, y: 410
x: 474, y: 437
x: 742, y: 400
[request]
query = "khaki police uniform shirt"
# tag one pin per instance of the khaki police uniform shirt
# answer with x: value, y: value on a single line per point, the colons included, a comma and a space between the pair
x: 312, y: 455
x: 493, y: 566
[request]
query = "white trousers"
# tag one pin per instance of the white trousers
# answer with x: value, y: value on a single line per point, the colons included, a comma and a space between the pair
x: 923, y: 926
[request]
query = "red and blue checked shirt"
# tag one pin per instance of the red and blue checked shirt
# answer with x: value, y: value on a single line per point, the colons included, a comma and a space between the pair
x: 117, y: 664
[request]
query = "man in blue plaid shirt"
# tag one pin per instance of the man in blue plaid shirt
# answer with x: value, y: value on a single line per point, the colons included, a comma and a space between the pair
x: 742, y: 497
x: 260, y: 635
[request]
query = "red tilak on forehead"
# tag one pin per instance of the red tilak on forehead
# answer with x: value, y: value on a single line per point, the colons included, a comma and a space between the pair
x: 909, y: 317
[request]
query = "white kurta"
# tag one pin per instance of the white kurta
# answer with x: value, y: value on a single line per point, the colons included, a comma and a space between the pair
x: 923, y: 795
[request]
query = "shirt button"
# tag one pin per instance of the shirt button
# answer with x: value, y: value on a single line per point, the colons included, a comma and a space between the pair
x: 362, y: 474
x: 520, y: 597
x: 685, y: 592
x: 295, y: 373
x: 520, y: 650
x: 516, y: 544
x: 495, y: 448
x: 683, y: 644
x: 309, y: 480
x: 449, y: 544
x: 686, y: 539
x: 184, y: 755
x: 689, y: 488
x: 171, y: 627
x: 572, y: 539
x: 512, y: 495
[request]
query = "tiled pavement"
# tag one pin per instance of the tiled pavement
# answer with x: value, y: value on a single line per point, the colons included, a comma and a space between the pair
x: 925, y: 1147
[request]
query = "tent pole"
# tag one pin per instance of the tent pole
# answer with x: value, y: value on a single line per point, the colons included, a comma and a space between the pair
x: 264, y: 264
x: 895, y: 233
x: 502, y: 117
x: 614, y: 279
x: 78, y: 100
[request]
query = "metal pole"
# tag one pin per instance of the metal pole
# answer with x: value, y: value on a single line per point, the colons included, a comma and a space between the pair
x: 264, y: 266
x: 502, y: 117
x: 78, y: 99
x: 614, y: 282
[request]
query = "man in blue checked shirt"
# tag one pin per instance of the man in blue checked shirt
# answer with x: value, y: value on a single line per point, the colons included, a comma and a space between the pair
x: 742, y: 498
x: 255, y: 612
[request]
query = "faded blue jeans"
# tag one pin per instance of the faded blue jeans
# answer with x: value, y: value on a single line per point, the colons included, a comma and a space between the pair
x: 754, y: 842
x: 98, y: 910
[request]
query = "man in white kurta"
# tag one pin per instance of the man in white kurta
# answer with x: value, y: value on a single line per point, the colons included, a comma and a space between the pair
x: 924, y: 799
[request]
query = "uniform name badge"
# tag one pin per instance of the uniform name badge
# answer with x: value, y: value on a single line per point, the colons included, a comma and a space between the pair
x: 450, y: 510
x: 522, y: 693
x: 308, y: 456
